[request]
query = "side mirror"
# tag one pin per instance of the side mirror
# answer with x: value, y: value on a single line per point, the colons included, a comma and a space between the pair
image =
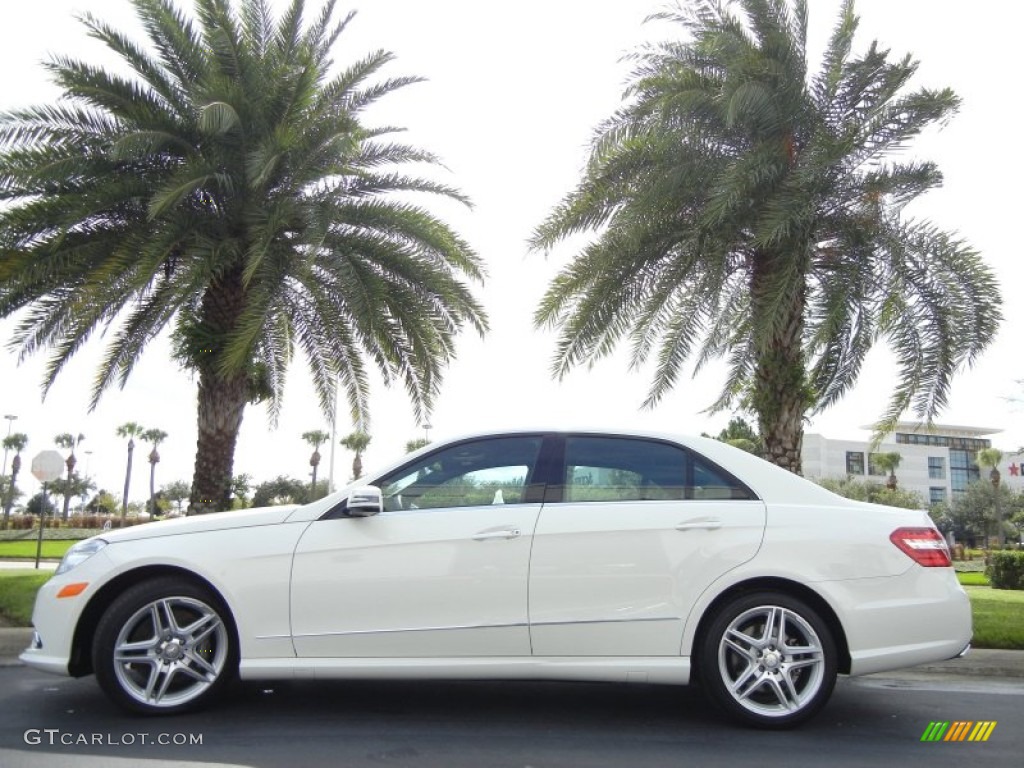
x: 364, y: 502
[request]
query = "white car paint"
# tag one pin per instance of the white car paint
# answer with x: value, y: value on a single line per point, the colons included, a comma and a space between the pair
x: 559, y: 590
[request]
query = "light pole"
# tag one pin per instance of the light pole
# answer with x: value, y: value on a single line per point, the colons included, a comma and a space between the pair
x: 426, y: 431
x: 10, y: 423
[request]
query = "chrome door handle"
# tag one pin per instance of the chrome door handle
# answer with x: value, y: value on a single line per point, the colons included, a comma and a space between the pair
x: 504, y: 533
x: 708, y: 524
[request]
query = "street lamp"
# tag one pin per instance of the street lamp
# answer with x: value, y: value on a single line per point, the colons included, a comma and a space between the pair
x: 10, y: 423
x: 426, y: 431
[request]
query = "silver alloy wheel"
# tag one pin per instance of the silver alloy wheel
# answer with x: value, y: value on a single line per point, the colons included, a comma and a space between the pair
x: 771, y: 661
x: 170, y: 651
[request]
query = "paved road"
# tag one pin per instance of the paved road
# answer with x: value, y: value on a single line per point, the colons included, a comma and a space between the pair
x: 872, y: 721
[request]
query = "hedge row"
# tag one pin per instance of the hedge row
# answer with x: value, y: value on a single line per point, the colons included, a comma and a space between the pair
x: 1006, y: 570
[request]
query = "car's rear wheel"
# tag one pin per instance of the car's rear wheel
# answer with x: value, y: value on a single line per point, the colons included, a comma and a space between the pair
x: 164, y: 646
x: 768, y: 659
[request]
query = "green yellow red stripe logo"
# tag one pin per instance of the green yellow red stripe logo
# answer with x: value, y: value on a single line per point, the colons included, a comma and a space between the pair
x: 958, y: 730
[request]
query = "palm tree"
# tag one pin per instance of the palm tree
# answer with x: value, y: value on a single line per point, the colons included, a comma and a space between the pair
x: 131, y: 430
x: 356, y: 442
x: 16, y: 443
x: 991, y: 458
x: 154, y: 437
x: 69, y: 442
x: 888, y: 462
x: 71, y: 486
x: 415, y: 444
x: 748, y: 209
x: 315, y: 438
x: 229, y: 188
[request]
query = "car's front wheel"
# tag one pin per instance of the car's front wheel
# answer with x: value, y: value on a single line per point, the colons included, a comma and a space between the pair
x: 164, y: 646
x: 768, y: 659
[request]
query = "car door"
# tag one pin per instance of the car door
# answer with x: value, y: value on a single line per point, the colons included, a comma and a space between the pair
x: 638, y: 529
x: 441, y: 571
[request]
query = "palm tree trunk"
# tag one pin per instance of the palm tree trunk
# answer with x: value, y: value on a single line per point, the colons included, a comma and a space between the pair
x: 9, y: 498
x: 65, y: 513
x: 221, y: 403
x: 152, y: 486
x: 780, y: 395
x: 127, y: 479
x: 221, y: 400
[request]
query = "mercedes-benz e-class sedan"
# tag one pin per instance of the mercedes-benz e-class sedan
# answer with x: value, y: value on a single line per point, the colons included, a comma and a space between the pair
x: 520, y: 555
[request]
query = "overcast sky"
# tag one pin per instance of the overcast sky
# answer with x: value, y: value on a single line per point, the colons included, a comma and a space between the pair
x: 511, y: 100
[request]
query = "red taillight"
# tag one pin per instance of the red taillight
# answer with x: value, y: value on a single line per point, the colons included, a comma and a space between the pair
x: 925, y: 546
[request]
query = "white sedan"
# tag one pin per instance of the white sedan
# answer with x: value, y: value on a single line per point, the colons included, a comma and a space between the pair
x: 519, y: 555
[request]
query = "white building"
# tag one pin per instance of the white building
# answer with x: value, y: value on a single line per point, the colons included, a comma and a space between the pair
x: 936, y: 463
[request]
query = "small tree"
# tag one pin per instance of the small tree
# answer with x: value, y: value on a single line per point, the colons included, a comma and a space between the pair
x: 103, y: 503
x: 16, y: 443
x: 315, y: 438
x: 887, y: 462
x: 154, y: 437
x: 241, y: 487
x: 356, y: 442
x: 974, y: 512
x: 40, y: 504
x: 131, y: 430
x: 280, y: 490
x: 177, y: 492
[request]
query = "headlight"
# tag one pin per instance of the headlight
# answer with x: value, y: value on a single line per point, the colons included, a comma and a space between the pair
x: 79, y: 553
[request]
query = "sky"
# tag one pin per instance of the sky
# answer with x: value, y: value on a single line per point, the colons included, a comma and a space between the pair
x: 512, y: 96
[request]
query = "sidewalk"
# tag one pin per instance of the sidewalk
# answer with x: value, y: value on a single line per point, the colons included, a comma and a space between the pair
x: 977, y: 663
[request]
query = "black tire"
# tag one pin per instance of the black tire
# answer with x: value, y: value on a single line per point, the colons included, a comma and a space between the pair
x: 165, y: 646
x: 768, y: 660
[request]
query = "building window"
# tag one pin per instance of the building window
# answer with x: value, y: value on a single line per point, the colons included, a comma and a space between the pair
x: 937, y: 467
x: 936, y: 495
x: 972, y: 444
x: 854, y: 463
x: 962, y: 469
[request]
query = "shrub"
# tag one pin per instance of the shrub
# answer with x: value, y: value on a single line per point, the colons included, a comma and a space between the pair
x: 1006, y: 570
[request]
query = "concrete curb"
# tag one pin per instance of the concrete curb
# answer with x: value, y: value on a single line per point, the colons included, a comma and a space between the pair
x: 977, y: 663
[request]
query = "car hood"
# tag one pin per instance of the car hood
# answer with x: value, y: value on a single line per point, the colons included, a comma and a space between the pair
x: 214, y: 521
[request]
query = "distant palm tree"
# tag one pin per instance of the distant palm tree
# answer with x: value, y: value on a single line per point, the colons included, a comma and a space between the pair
x: 991, y: 458
x: 72, y: 486
x: 315, y: 438
x: 222, y: 181
x: 131, y: 430
x: 154, y: 437
x: 16, y: 443
x: 415, y: 444
x: 69, y: 442
x: 356, y: 442
x: 888, y: 462
x: 748, y: 208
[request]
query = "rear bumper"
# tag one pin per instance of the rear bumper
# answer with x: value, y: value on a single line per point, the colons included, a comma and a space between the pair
x: 919, y: 617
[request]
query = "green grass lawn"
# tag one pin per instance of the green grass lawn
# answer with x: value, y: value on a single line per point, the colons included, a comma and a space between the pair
x: 973, y: 579
x: 25, y: 548
x: 18, y: 593
x: 998, y: 617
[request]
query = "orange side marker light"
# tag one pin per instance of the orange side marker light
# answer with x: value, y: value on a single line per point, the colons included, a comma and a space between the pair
x: 73, y: 590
